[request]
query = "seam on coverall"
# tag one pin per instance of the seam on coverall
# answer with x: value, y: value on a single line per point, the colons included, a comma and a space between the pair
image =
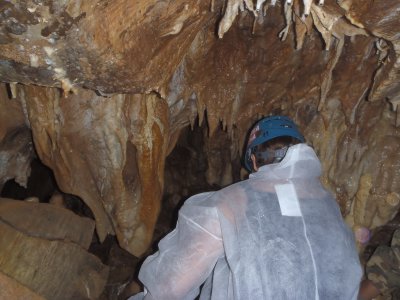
x: 200, y: 227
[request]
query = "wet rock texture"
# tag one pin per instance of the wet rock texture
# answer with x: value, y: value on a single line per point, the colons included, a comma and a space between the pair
x: 12, y: 289
x: 106, y: 87
x: 43, y: 248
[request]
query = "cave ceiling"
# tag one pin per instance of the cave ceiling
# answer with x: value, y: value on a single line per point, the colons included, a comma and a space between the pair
x: 103, y: 89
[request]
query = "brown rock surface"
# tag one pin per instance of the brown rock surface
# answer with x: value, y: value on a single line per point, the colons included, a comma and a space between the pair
x: 49, y: 257
x: 16, y: 149
x: 16, y: 153
x: 89, y: 43
x: 106, y: 151
x: 142, y: 71
x: 46, y: 221
x: 12, y: 289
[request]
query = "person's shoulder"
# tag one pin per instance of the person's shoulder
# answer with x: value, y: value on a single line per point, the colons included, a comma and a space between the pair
x: 215, y: 197
x: 232, y: 188
x: 199, y: 199
x: 198, y: 205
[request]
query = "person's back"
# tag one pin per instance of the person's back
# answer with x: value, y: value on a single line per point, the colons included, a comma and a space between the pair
x: 284, y: 237
x: 278, y: 235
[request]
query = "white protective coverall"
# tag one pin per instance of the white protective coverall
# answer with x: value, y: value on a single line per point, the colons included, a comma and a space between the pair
x: 277, y: 235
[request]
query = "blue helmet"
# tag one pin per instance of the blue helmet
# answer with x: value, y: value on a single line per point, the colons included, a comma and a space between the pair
x: 268, y: 129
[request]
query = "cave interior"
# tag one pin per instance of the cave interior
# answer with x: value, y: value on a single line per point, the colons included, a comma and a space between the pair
x: 112, y: 113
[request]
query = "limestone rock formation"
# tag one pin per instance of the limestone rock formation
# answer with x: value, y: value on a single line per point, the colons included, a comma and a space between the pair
x: 43, y: 247
x: 106, y: 88
x: 12, y: 289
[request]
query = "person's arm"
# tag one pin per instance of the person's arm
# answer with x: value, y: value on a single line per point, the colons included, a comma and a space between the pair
x: 186, y: 256
x: 368, y: 290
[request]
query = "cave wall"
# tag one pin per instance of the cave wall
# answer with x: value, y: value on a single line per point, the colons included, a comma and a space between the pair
x: 16, y: 149
x: 107, y: 87
x: 104, y: 150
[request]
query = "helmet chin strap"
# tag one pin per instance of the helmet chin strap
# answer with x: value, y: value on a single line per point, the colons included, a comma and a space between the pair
x: 277, y: 154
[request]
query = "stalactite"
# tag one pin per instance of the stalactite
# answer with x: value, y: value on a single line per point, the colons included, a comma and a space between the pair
x: 193, y: 114
x: 231, y: 11
x: 387, y: 72
x: 307, y: 8
x: 233, y: 6
x: 13, y: 89
x: 395, y: 106
x: 260, y: 4
x: 213, y: 123
x: 324, y: 23
x: 302, y: 27
x: 250, y: 6
x: 327, y: 77
x: 332, y: 25
x: 328, y: 23
x: 201, y: 108
x: 288, y: 19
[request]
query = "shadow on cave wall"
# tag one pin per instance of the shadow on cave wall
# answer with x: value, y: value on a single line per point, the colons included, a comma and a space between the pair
x: 41, y: 184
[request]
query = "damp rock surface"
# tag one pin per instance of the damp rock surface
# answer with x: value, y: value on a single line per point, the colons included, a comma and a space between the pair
x: 106, y: 88
x: 46, y: 251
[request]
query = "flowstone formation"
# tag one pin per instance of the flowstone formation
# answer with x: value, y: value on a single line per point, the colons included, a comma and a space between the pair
x: 100, y: 91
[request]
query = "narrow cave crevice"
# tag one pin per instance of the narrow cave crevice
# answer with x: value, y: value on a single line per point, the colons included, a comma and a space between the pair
x: 195, y: 155
x: 41, y: 184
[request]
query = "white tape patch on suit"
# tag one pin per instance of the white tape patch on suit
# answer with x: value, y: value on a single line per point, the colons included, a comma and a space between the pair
x: 288, y: 201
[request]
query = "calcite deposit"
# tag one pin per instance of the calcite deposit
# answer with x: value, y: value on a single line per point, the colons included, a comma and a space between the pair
x: 103, y: 90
